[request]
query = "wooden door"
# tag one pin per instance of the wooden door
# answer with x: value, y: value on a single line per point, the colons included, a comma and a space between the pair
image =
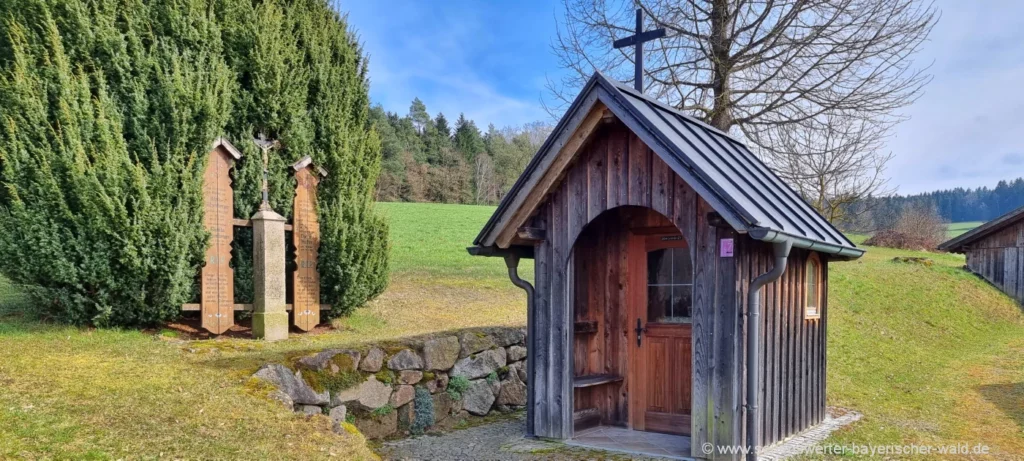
x: 661, y: 364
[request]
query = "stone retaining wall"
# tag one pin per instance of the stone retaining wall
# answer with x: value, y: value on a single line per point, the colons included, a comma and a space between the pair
x: 408, y: 387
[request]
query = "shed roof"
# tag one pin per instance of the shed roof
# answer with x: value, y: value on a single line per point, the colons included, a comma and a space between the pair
x: 719, y: 167
x: 958, y: 243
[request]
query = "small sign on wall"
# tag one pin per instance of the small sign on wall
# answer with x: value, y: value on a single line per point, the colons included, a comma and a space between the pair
x: 725, y: 248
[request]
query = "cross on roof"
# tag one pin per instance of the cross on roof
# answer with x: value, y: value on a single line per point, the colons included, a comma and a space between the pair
x: 638, y: 40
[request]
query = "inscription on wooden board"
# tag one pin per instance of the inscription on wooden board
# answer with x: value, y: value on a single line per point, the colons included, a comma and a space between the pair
x: 306, y: 238
x: 217, y: 298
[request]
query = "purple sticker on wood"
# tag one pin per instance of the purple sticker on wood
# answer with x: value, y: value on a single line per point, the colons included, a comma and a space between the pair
x: 726, y: 247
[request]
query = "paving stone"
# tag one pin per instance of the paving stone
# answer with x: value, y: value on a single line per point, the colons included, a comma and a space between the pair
x: 410, y: 376
x: 403, y: 394
x: 441, y: 353
x: 473, y: 342
x: 370, y: 395
x: 333, y: 360
x: 516, y: 353
x: 291, y: 384
x: 479, y: 397
x: 374, y: 360
x: 406, y: 360
x: 480, y: 365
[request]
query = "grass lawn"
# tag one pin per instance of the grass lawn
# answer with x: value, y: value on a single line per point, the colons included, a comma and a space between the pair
x: 71, y: 393
x: 957, y: 228
x: 928, y: 354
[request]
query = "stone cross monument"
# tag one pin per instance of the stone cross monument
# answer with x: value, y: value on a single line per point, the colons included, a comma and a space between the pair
x: 270, y: 317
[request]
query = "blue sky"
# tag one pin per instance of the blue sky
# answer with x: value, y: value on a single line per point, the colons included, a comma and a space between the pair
x: 492, y: 59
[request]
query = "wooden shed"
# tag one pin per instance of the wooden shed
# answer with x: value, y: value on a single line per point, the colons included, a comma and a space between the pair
x: 995, y: 251
x: 648, y: 230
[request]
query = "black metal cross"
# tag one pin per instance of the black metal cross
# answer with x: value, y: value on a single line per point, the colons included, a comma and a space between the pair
x: 638, y: 40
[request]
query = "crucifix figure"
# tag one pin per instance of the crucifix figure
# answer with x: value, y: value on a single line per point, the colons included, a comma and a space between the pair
x: 265, y: 145
x: 637, y: 40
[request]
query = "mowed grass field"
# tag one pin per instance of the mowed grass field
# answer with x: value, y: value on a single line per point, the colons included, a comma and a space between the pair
x: 957, y: 228
x: 930, y: 355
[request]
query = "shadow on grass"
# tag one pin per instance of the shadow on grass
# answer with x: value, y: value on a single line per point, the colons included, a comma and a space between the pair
x: 1009, y: 398
x: 16, y: 313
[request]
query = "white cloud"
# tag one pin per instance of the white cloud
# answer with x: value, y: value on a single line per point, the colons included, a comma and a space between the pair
x: 417, y: 50
x: 969, y: 122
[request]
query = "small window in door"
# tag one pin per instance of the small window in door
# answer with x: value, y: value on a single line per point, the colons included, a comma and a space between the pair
x: 813, y: 309
x: 669, y: 285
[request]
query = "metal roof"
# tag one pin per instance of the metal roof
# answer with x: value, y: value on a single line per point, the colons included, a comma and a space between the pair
x: 750, y: 197
x: 956, y: 244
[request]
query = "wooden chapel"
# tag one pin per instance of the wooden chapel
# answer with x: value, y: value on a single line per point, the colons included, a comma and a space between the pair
x: 651, y: 235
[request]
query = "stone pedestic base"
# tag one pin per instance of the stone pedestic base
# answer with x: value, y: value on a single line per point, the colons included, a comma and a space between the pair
x: 269, y: 319
x: 270, y: 326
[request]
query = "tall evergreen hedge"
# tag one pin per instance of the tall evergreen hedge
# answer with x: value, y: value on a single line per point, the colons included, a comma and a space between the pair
x: 107, y: 111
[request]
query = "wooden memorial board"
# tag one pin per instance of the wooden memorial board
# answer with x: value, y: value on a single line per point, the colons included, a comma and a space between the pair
x: 217, y: 279
x: 306, y: 238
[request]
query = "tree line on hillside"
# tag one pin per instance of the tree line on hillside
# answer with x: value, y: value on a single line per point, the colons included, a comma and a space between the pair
x: 428, y: 159
x: 952, y: 205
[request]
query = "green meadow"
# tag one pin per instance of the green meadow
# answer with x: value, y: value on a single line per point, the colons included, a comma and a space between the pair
x: 957, y: 228
x: 930, y: 354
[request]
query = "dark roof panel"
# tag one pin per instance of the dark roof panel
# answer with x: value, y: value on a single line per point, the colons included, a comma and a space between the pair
x: 731, y: 166
x: 754, y: 197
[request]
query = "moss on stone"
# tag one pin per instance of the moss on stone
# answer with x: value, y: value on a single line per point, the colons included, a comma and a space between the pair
x: 324, y: 380
x: 385, y: 376
x: 429, y: 376
x: 383, y: 411
x: 344, y: 362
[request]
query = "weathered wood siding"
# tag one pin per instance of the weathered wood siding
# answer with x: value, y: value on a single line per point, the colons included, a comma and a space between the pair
x: 792, y: 348
x: 600, y: 280
x: 616, y: 169
x: 999, y: 258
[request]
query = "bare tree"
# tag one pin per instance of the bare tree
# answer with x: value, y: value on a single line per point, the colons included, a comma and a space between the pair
x: 773, y: 71
x: 834, y: 163
x: 918, y: 227
x: 486, y: 185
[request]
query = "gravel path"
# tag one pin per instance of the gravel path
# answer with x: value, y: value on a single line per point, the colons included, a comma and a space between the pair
x: 501, y: 441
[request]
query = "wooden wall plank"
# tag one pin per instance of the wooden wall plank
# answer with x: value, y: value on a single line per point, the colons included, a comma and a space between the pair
x: 639, y: 172
x: 560, y: 385
x: 998, y: 259
x: 726, y: 376
x: 705, y: 269
x: 539, y: 350
x: 597, y: 178
x: 661, y: 186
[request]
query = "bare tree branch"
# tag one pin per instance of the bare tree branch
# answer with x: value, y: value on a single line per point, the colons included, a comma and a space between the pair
x: 815, y: 86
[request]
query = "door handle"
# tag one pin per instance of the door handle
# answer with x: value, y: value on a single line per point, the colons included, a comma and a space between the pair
x: 640, y: 330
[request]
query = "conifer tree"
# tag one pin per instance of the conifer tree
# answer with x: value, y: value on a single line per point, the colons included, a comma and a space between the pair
x: 107, y: 112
